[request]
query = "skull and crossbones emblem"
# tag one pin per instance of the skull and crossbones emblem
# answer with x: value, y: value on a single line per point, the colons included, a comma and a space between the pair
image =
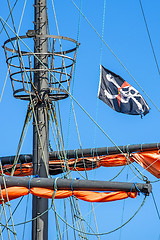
x: 125, y: 92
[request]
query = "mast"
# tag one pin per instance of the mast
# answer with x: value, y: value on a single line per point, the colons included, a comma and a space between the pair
x: 40, y: 83
x: 40, y: 98
x: 40, y: 119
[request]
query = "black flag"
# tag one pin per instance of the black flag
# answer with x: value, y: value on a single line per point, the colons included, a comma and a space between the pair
x: 120, y: 95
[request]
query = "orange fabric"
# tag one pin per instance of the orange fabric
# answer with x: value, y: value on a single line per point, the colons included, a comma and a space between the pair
x: 83, y: 195
x: 24, y: 169
x: 48, y: 193
x: 114, y: 160
x: 15, y: 192
x: 102, y: 196
x: 149, y: 160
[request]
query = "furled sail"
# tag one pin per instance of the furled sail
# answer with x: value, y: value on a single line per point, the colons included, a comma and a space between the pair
x: 89, y: 196
x: 149, y: 160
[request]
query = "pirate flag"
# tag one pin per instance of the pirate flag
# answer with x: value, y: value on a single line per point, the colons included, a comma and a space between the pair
x: 120, y: 95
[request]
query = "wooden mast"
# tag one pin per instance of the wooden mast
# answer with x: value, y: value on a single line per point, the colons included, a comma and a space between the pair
x: 40, y: 120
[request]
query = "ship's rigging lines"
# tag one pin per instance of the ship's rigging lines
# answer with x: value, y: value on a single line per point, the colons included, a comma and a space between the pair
x: 61, y: 143
x: 116, y: 56
x: 71, y: 96
x: 73, y: 99
x: 149, y: 36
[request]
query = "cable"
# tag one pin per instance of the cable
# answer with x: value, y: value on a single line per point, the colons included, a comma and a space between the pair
x: 10, y: 14
x: 11, y: 42
x: 72, y: 97
x: 117, y: 57
x: 155, y: 205
x: 149, y: 36
x: 102, y: 35
x: 104, y: 233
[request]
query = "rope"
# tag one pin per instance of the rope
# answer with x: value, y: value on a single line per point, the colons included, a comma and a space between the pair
x: 11, y: 42
x: 20, y: 57
x: 118, y: 173
x: 116, y: 57
x: 147, y: 168
x: 73, y: 97
x: 104, y: 233
x: 24, y: 227
x: 60, y: 122
x: 21, y: 223
x: 29, y: 184
x: 79, y: 217
x: 73, y: 219
x: 61, y: 84
x: 67, y: 77
x: 9, y: 14
x: 65, y: 216
x: 95, y: 220
x: 103, y: 21
x: 4, y: 85
x: 155, y: 205
x: 59, y: 138
x: 23, y: 133
x: 140, y: 173
x: 52, y: 203
x: 149, y: 36
x: 3, y: 204
x: 55, y: 140
x: 72, y: 91
x: 21, y: 62
x: 123, y: 208
x: 14, y: 211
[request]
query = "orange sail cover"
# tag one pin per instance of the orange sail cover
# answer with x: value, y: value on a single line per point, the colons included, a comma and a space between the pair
x: 149, y: 160
x: 16, y: 192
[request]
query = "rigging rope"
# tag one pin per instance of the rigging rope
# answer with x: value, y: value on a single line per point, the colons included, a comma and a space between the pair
x: 8, y: 203
x: 11, y: 42
x: 22, y: 63
x: 116, y: 57
x: 10, y: 14
x: 71, y: 105
x: 82, y: 232
x: 63, y: 150
x: 3, y: 206
x: 70, y: 96
x: 147, y: 168
x: 72, y: 91
x: 149, y: 36
x: 14, y: 210
x: 104, y: 233
x: 23, y: 134
x: 25, y: 218
x: 123, y: 209
x: 102, y: 35
x: 155, y: 205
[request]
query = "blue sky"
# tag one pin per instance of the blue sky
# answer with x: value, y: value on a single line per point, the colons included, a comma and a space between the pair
x: 125, y: 33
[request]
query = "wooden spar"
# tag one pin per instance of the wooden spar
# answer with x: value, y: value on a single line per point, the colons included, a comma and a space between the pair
x: 90, y: 152
x: 74, y: 184
x: 104, y: 151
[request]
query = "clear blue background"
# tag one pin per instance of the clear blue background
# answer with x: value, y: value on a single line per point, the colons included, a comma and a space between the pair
x: 125, y: 33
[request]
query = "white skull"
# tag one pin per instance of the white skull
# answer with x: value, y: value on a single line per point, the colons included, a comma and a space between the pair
x: 126, y: 92
x: 130, y: 92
